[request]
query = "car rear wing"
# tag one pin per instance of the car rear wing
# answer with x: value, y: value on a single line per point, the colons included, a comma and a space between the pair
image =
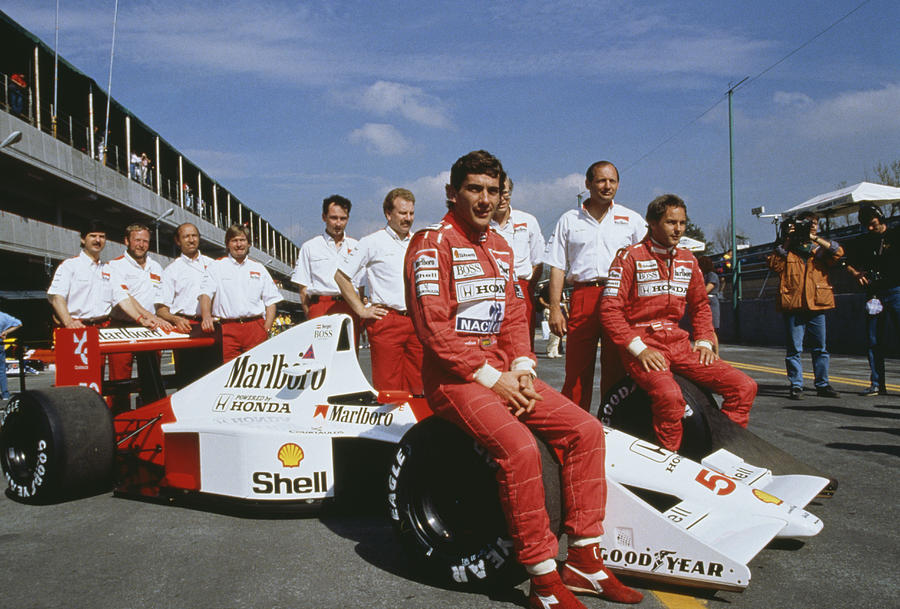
x: 80, y: 351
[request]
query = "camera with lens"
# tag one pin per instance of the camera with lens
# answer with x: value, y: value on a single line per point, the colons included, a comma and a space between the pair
x: 798, y: 231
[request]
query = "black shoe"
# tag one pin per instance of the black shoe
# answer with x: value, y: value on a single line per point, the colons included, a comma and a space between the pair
x: 826, y: 392
x: 796, y: 393
x: 872, y: 390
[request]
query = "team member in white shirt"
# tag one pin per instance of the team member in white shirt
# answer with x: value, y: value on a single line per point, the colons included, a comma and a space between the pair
x: 180, y: 291
x: 396, y: 351
x: 135, y: 279
x: 318, y: 260
x: 241, y: 293
x: 80, y: 291
x: 180, y: 304
x: 523, y: 233
x: 580, y: 251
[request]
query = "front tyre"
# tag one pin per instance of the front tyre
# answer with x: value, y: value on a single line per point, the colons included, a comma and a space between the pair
x: 444, y: 504
x: 56, y: 444
x: 626, y: 407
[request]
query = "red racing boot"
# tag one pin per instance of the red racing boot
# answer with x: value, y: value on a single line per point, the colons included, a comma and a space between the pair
x: 548, y: 592
x: 585, y: 573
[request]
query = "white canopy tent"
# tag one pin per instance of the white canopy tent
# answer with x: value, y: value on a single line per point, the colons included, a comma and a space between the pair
x: 846, y: 201
x: 691, y: 244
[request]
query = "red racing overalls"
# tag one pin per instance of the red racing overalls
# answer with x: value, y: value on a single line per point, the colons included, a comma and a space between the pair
x: 645, y: 298
x: 469, y: 313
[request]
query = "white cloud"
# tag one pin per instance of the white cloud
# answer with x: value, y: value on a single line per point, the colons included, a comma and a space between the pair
x: 785, y: 98
x: 296, y: 45
x: 548, y: 199
x: 854, y: 114
x: 412, y: 103
x: 381, y: 138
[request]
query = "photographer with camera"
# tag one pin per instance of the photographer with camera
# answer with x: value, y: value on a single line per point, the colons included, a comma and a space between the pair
x: 802, y: 261
x: 878, y: 255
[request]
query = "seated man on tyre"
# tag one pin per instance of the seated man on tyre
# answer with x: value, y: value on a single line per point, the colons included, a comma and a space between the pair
x: 479, y: 373
x: 650, y: 284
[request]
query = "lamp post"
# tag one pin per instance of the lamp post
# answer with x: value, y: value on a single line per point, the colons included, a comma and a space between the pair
x: 11, y: 139
x: 156, y: 220
x: 735, y: 261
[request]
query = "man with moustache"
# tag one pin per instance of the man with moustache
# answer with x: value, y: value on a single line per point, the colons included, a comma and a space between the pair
x: 240, y: 293
x: 580, y: 251
x: 650, y: 285
x: 479, y: 373
x: 523, y: 233
x: 80, y: 291
x: 396, y: 351
x: 136, y: 280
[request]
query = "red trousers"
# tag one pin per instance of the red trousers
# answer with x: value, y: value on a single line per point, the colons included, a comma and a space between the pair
x: 574, y: 433
x: 239, y: 337
x: 583, y: 333
x: 525, y: 284
x: 331, y: 305
x: 396, y: 353
x: 737, y: 389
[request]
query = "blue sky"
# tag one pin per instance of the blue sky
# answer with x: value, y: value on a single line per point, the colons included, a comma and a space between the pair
x: 284, y: 103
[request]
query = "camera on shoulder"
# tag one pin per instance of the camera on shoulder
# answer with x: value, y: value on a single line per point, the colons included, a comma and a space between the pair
x: 798, y: 231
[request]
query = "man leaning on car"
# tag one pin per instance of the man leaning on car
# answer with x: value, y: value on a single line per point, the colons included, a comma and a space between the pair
x: 802, y: 261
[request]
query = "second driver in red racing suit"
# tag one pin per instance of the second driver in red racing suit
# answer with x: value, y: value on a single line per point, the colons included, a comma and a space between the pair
x: 478, y: 373
x: 650, y: 285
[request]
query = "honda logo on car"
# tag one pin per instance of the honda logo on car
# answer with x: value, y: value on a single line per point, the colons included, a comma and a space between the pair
x: 250, y: 403
x: 246, y: 375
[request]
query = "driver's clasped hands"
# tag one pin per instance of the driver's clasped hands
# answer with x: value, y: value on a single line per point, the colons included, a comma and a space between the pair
x: 516, y: 388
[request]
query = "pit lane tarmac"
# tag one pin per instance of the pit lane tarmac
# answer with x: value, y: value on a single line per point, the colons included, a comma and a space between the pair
x: 112, y: 552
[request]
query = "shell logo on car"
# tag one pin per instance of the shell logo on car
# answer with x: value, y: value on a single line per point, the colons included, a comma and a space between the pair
x: 290, y: 455
x: 766, y: 497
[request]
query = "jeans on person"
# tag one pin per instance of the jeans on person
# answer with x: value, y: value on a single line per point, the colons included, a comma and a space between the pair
x: 877, y: 326
x: 811, y: 324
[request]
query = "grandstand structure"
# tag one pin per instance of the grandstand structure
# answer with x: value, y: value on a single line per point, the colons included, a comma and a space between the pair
x: 60, y: 172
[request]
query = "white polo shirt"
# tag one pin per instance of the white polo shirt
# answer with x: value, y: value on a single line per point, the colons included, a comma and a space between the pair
x: 143, y: 283
x: 585, y: 248
x: 317, y: 263
x: 523, y: 233
x: 181, y: 284
x: 238, y: 289
x: 85, y: 286
x: 379, y: 258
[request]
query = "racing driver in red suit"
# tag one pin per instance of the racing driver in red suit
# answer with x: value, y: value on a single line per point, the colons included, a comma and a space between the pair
x: 478, y: 373
x: 650, y: 283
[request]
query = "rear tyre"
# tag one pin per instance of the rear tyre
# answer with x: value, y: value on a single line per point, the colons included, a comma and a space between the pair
x: 626, y: 407
x: 57, y: 444
x: 444, y: 504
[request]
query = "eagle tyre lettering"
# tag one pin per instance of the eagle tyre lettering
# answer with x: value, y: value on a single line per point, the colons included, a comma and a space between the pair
x: 443, y: 501
x: 57, y: 444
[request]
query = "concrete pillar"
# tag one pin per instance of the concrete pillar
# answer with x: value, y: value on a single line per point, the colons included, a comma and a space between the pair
x: 37, y: 88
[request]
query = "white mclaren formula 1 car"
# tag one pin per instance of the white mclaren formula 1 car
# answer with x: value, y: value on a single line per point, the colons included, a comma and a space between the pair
x: 263, y: 430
